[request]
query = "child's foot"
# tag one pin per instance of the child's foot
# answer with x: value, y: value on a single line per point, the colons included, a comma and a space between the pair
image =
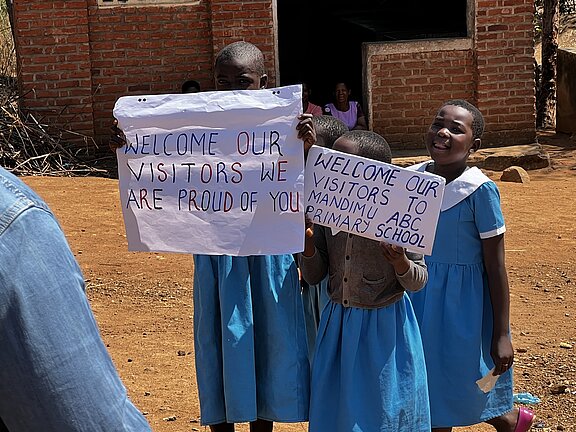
x: 524, y: 420
x: 517, y: 420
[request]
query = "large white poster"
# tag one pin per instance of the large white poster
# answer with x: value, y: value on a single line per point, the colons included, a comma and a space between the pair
x: 373, y: 199
x: 213, y: 172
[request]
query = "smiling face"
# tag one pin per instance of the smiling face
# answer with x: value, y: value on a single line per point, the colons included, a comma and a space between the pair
x: 450, y: 138
x: 235, y: 74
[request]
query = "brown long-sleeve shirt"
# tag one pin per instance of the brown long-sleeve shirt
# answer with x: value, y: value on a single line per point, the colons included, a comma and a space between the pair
x: 359, y: 274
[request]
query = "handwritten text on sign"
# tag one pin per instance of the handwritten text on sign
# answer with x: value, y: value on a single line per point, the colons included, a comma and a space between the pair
x: 213, y: 172
x: 373, y: 199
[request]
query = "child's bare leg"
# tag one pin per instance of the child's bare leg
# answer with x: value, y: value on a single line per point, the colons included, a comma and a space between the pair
x: 506, y: 422
x: 261, y: 426
x: 222, y: 427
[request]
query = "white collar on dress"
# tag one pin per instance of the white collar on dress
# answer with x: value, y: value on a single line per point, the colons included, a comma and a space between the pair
x: 459, y: 188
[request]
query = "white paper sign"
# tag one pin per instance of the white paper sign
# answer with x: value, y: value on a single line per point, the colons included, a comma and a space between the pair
x: 213, y: 173
x: 373, y: 199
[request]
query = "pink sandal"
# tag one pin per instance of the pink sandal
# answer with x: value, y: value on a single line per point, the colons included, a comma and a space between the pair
x: 525, y: 420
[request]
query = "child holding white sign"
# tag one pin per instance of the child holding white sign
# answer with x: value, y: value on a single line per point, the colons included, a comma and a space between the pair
x: 249, y: 334
x: 463, y: 311
x: 368, y: 372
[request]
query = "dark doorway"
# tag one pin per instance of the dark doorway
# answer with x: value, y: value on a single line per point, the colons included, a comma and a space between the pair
x: 320, y: 41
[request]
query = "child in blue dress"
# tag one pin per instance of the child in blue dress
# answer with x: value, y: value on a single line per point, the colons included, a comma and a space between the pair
x: 249, y: 333
x: 463, y: 311
x: 368, y: 373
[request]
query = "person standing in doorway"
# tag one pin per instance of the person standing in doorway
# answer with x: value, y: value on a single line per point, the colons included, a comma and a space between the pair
x: 346, y: 110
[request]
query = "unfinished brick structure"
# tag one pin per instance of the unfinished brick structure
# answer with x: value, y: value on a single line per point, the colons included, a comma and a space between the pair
x: 77, y: 57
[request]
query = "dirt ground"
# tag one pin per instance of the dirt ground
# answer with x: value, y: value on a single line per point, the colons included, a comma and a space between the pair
x: 143, y: 301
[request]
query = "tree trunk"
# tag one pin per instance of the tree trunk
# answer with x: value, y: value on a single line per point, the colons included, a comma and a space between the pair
x: 546, y: 113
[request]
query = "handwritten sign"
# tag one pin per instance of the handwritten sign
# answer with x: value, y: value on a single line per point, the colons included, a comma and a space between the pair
x: 213, y: 173
x: 373, y: 199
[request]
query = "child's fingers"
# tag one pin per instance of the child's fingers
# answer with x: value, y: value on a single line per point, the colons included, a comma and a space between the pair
x: 309, y: 227
x: 392, y: 249
x: 306, y: 131
x: 117, y: 137
x: 502, y: 367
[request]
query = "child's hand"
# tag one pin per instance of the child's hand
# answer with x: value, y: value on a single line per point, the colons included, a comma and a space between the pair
x: 396, y: 255
x: 306, y: 132
x: 117, y: 137
x: 502, y: 354
x: 309, y: 247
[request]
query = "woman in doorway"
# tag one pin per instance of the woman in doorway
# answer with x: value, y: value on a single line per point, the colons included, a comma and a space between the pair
x: 349, y: 111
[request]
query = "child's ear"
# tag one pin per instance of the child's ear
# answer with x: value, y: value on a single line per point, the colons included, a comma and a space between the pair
x: 263, y: 81
x: 476, y: 144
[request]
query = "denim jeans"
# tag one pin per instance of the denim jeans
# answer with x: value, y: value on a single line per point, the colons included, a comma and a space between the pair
x: 55, y: 372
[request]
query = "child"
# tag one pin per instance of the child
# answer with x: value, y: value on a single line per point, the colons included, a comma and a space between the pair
x: 464, y: 310
x: 315, y: 297
x: 191, y: 86
x: 368, y: 373
x: 307, y: 106
x: 249, y: 333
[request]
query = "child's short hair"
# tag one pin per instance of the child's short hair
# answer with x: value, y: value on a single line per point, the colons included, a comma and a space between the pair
x: 477, y: 117
x: 190, y: 84
x: 247, y: 52
x: 370, y: 145
x: 329, y: 129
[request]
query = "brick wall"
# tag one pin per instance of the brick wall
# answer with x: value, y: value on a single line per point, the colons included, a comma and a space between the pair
x: 146, y: 50
x: 493, y: 68
x: 253, y: 21
x: 76, y: 59
x: 408, y: 82
x: 54, y: 60
x: 505, y: 76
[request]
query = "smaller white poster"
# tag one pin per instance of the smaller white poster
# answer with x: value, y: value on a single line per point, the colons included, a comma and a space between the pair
x: 218, y: 173
x: 373, y: 199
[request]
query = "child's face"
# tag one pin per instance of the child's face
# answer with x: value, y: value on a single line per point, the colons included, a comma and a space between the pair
x: 450, y: 136
x: 346, y: 145
x: 238, y: 75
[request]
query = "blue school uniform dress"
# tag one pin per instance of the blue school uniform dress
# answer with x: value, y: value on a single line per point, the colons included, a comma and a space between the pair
x: 315, y: 298
x: 250, y: 339
x: 368, y: 373
x: 454, y: 309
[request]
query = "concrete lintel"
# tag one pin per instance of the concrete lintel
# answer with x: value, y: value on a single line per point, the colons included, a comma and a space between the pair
x: 418, y: 46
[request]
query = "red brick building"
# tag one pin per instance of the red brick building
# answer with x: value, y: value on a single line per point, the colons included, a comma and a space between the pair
x: 77, y: 57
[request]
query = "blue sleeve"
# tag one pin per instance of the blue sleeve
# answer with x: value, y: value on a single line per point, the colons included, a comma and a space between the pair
x: 487, y: 211
x: 55, y: 371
